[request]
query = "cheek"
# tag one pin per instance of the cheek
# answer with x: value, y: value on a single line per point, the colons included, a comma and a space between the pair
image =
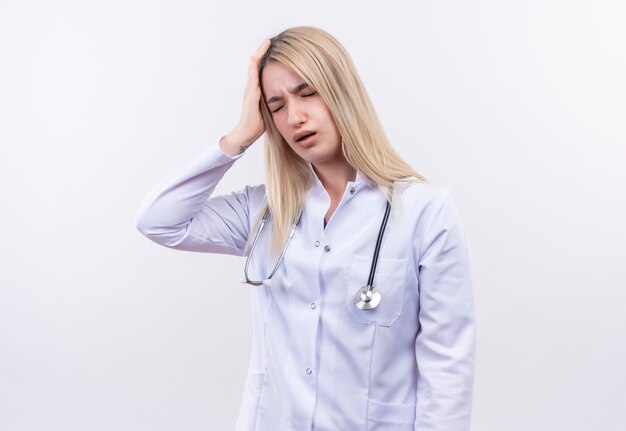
x: 280, y: 124
x: 282, y: 127
x: 324, y: 114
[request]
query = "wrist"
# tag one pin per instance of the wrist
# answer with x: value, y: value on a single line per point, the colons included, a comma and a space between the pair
x: 233, y: 143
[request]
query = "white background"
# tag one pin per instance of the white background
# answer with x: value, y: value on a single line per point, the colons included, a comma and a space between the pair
x: 518, y: 107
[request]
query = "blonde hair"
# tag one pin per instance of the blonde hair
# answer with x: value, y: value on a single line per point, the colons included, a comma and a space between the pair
x: 325, y: 65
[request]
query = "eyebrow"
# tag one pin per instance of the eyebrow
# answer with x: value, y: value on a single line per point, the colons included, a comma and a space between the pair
x: 292, y: 91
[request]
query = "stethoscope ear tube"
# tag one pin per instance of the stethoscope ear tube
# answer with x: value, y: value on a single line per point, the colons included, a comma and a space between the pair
x: 267, y: 281
x: 256, y: 238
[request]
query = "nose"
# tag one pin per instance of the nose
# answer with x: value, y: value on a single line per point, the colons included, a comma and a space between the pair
x: 297, y: 116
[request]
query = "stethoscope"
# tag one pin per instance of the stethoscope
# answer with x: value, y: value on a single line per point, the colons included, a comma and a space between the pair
x: 365, y: 298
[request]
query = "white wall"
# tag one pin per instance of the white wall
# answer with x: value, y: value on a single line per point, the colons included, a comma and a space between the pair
x: 518, y: 107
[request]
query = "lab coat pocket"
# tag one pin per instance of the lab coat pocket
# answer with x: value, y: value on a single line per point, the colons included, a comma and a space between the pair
x: 389, y: 280
x: 390, y: 417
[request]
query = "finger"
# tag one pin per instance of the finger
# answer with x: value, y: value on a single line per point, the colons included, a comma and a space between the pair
x: 252, y: 70
x: 261, y: 50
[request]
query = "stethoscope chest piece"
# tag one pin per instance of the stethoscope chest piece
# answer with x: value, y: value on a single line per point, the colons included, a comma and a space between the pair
x: 367, y: 298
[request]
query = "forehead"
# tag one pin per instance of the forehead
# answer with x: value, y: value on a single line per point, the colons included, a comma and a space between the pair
x: 277, y: 76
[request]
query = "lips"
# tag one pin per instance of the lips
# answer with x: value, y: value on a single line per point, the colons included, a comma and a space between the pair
x: 300, y: 136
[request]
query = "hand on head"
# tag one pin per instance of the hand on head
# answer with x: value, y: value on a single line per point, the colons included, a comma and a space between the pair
x: 250, y: 126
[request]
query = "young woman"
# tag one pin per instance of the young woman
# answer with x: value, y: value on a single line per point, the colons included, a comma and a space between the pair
x: 363, y: 304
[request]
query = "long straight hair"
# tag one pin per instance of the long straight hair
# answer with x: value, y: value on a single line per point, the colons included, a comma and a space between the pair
x: 324, y: 64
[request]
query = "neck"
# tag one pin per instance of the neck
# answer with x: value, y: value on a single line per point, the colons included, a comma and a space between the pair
x: 335, y: 175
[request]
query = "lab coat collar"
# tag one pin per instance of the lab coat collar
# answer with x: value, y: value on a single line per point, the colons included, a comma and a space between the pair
x: 361, y: 180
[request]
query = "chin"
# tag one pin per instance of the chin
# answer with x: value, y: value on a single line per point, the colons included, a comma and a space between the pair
x: 316, y: 153
x: 318, y: 159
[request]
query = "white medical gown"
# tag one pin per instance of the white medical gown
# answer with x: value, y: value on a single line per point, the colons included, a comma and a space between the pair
x: 319, y: 363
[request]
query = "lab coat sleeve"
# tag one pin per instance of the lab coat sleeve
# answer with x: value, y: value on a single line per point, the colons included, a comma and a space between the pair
x: 181, y: 213
x: 445, y: 344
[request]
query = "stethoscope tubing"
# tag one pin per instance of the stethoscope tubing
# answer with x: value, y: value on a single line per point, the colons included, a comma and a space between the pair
x: 379, y: 240
x: 366, y: 297
x: 252, y: 248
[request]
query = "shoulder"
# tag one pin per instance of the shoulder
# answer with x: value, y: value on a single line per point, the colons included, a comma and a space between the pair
x: 431, y: 214
x: 255, y: 192
x: 423, y: 195
x: 256, y: 198
x: 429, y: 208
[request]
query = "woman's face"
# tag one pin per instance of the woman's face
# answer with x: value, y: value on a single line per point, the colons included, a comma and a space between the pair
x: 298, y: 110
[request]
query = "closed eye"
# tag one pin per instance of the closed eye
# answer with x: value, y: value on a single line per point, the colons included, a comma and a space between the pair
x: 304, y: 95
